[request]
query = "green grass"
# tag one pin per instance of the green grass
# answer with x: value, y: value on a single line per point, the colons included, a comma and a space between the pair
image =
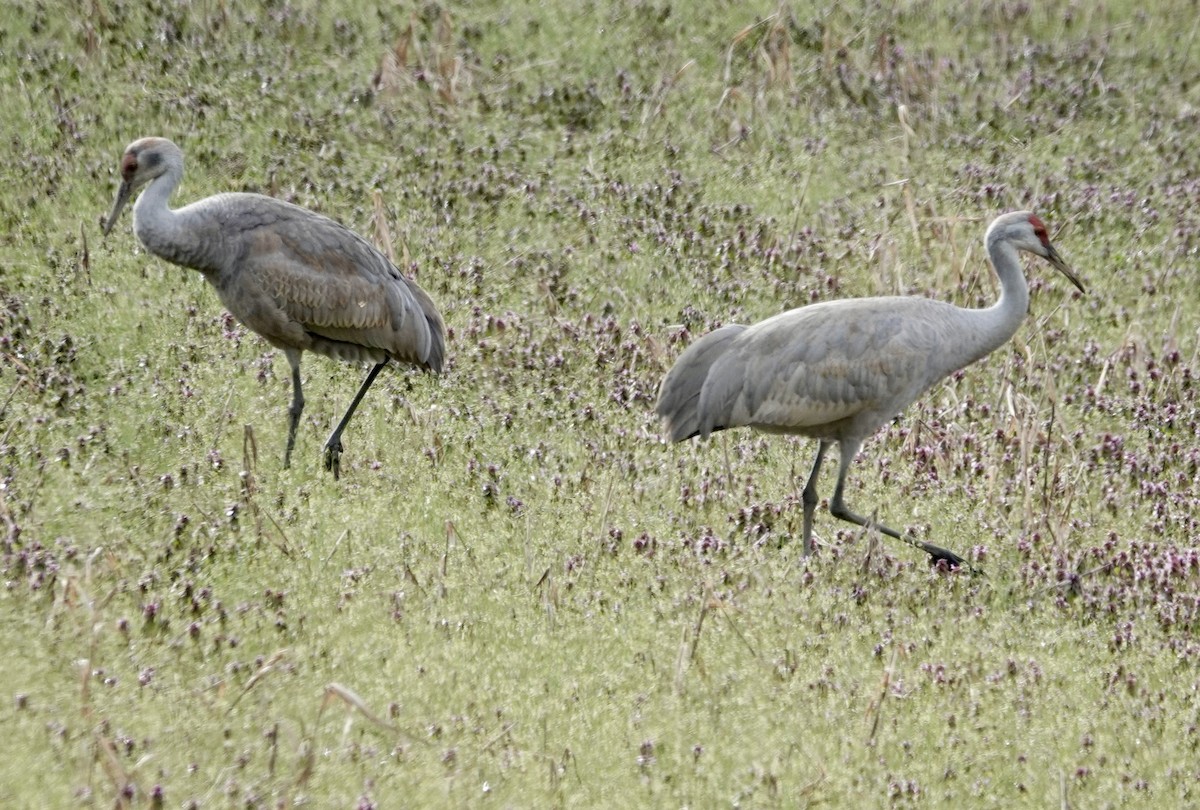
x: 517, y: 595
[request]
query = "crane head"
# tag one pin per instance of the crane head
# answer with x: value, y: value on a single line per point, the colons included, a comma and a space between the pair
x: 144, y: 160
x: 1026, y: 231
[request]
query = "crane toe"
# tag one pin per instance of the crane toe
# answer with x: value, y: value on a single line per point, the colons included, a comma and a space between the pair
x: 333, y: 457
x: 952, y: 561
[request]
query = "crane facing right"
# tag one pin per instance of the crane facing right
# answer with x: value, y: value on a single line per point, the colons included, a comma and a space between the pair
x: 838, y: 370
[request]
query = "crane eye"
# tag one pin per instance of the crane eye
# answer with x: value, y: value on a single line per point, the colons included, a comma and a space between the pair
x: 129, y: 165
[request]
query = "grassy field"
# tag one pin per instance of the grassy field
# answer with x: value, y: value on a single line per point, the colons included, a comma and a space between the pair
x: 518, y: 595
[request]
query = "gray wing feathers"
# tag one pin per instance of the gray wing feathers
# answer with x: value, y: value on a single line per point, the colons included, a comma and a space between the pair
x: 810, y: 370
x: 825, y: 370
x: 344, y: 293
x: 679, y: 395
x: 435, y: 355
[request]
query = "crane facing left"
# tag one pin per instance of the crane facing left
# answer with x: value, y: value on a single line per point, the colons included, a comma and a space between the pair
x: 299, y: 279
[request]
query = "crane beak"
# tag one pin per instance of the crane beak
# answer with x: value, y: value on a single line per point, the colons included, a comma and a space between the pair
x: 1062, y: 267
x: 122, y: 197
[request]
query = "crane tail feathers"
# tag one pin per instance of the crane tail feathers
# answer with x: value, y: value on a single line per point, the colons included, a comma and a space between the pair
x: 679, y: 394
x: 433, y: 343
x: 437, y: 342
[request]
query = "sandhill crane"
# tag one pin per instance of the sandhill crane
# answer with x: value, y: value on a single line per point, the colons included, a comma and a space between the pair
x: 299, y: 279
x: 837, y: 371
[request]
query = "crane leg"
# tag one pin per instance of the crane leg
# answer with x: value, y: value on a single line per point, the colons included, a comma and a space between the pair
x: 333, y: 445
x: 838, y: 508
x: 296, y: 408
x: 809, y: 497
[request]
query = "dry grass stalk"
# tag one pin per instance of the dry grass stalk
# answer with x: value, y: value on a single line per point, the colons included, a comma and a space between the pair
x: 266, y: 669
x: 383, y: 234
x: 437, y: 64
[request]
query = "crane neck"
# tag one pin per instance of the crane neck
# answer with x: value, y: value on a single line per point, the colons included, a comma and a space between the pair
x: 996, y: 324
x: 172, y: 235
x: 1014, y: 290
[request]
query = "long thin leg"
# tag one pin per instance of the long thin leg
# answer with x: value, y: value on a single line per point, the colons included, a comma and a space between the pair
x: 809, y: 497
x: 837, y: 507
x: 297, y: 406
x: 333, y: 445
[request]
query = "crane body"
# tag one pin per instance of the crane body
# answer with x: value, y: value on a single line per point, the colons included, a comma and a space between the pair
x: 301, y: 280
x: 837, y: 371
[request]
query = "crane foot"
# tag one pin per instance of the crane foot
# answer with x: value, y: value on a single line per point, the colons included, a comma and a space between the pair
x: 333, y: 458
x: 952, y: 560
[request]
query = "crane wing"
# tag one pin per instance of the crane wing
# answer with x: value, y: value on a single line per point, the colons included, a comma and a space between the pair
x: 679, y: 394
x: 811, y: 370
x: 330, y: 282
